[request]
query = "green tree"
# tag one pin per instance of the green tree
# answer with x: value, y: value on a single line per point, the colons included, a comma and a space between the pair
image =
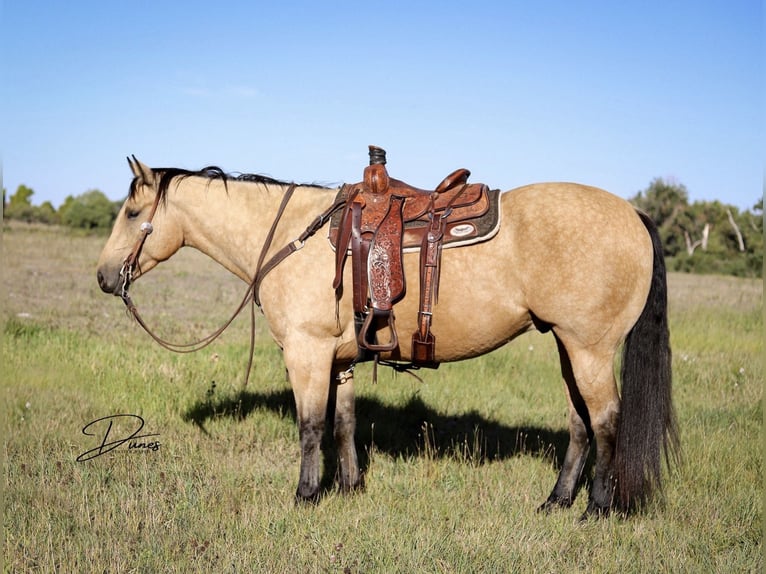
x: 705, y: 236
x: 46, y: 213
x: 65, y: 207
x: 751, y: 226
x: 20, y: 205
x: 91, y: 210
x: 666, y: 203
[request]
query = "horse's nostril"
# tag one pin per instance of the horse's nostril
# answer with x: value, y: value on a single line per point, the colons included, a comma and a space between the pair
x: 102, y: 281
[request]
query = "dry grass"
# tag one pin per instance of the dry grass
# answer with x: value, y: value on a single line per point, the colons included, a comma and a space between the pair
x: 50, y: 278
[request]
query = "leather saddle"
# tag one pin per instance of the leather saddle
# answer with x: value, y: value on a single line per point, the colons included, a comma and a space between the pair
x: 384, y: 216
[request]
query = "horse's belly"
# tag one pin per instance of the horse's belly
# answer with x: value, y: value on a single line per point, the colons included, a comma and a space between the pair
x: 478, y: 308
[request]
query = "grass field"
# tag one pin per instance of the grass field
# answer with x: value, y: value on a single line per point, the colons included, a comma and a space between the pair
x: 455, y: 465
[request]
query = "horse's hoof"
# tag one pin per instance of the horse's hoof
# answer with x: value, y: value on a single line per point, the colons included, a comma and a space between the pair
x: 358, y: 486
x: 306, y: 500
x: 595, y: 511
x: 554, y: 503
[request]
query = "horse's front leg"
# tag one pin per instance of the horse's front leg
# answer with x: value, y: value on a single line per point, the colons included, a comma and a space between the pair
x: 309, y: 371
x: 342, y: 391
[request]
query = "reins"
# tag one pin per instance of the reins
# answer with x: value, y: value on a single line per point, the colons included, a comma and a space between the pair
x: 251, y: 295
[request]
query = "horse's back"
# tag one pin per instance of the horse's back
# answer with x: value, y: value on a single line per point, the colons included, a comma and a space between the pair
x: 584, y: 257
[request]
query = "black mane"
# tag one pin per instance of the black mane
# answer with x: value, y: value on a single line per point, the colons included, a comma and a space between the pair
x: 167, y: 174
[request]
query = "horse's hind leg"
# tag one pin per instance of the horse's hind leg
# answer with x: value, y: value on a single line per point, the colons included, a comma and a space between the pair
x: 580, y: 436
x: 592, y: 384
x: 344, y: 428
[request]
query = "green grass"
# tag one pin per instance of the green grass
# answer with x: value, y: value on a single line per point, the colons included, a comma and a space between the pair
x: 455, y: 466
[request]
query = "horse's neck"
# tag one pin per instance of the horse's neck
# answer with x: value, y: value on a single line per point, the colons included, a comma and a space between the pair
x: 231, y: 225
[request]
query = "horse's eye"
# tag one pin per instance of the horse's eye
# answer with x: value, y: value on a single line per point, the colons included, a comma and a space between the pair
x: 133, y: 213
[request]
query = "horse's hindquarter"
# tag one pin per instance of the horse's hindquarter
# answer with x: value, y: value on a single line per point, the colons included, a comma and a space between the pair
x: 584, y: 258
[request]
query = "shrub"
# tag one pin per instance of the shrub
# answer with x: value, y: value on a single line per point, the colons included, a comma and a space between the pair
x: 91, y: 210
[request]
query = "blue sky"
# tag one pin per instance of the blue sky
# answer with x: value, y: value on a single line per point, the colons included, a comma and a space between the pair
x: 610, y: 94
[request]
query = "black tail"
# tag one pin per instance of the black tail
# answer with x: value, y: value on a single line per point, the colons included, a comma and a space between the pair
x: 647, y: 420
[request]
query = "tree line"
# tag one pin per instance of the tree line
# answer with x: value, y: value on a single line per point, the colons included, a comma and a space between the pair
x: 702, y: 237
x: 92, y: 210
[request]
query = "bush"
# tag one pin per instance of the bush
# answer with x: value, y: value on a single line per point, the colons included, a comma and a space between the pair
x: 92, y: 210
x: 703, y: 262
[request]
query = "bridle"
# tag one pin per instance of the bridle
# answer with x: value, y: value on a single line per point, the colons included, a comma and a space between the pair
x: 130, y: 264
x: 252, y: 296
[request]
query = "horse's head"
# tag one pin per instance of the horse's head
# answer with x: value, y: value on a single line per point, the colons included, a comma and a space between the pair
x: 144, y: 234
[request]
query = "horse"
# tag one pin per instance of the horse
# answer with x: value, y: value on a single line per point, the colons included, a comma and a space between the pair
x: 568, y: 258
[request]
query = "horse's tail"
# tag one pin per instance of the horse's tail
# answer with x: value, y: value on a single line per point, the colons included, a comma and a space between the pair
x: 647, y: 423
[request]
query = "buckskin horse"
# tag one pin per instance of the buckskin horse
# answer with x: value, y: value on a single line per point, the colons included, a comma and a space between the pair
x: 567, y: 258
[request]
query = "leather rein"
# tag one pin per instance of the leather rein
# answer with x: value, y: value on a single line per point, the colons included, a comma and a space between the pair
x: 130, y: 264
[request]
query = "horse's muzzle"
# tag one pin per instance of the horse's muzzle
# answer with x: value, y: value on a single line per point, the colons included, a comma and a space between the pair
x: 109, y: 282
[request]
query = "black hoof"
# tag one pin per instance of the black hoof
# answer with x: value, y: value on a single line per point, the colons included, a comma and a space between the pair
x: 352, y: 488
x: 306, y: 500
x: 554, y: 503
x: 595, y: 511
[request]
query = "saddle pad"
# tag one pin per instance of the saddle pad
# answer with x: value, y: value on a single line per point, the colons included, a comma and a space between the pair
x: 456, y: 234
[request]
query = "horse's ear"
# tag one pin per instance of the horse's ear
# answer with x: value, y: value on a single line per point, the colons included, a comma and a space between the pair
x: 140, y: 171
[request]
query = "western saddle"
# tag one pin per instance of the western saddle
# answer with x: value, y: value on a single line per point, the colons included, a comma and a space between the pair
x: 381, y: 219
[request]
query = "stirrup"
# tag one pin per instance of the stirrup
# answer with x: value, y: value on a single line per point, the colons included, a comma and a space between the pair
x: 362, y: 337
